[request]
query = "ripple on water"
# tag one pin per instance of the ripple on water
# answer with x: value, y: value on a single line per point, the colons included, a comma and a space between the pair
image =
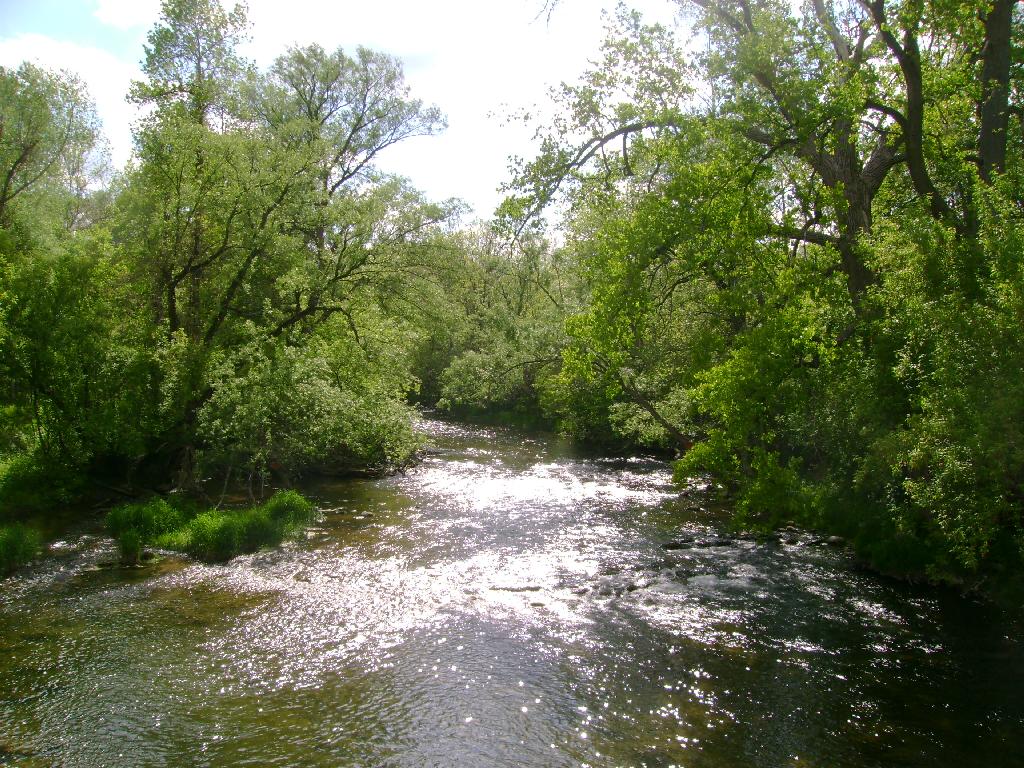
x: 507, y: 602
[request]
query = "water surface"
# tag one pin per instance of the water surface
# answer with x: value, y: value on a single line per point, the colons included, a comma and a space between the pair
x: 508, y: 602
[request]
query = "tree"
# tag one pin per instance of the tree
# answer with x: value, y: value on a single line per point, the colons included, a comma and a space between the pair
x: 795, y: 274
x: 190, y: 59
x: 48, y: 128
x: 55, y: 319
x: 258, y: 237
x: 356, y: 225
x: 510, y: 304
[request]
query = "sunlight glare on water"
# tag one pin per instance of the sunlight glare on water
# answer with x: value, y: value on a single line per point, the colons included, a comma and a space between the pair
x: 511, y: 601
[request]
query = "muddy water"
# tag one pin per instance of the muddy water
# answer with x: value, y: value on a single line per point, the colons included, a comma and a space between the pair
x: 508, y: 602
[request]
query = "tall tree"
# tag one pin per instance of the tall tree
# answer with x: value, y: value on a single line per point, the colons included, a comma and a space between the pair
x: 256, y: 218
x: 190, y: 59
x: 48, y: 128
x: 356, y: 225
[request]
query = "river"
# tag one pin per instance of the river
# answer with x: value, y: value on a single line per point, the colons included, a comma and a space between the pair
x: 508, y: 602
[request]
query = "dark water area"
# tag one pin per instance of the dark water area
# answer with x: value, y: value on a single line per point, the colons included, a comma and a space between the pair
x: 508, y: 602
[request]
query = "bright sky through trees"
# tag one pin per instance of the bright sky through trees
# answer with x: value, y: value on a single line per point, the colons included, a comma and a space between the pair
x: 478, y: 61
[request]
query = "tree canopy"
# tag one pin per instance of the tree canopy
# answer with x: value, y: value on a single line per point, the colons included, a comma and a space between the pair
x: 788, y: 253
x: 798, y: 245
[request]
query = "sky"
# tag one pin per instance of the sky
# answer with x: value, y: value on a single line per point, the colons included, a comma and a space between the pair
x: 480, y: 61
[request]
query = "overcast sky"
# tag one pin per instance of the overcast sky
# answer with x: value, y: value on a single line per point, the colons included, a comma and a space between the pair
x: 478, y: 60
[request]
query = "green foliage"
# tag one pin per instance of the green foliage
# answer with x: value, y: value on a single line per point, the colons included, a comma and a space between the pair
x: 33, y: 489
x: 136, y: 525
x: 190, y: 56
x: 212, y: 535
x: 504, y: 345
x: 75, y: 369
x: 215, y: 536
x: 327, y: 406
x: 18, y: 544
x: 220, y: 535
x: 290, y: 508
x: 130, y: 543
x: 811, y: 286
x: 955, y: 465
x: 247, y: 299
x: 149, y: 519
x: 808, y: 284
x: 50, y: 129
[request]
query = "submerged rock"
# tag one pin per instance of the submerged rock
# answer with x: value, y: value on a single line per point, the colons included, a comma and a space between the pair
x: 683, y: 542
x: 523, y: 588
x: 718, y: 541
x: 676, y: 545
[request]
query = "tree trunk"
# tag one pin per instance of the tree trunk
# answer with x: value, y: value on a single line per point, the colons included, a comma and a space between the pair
x: 994, y: 109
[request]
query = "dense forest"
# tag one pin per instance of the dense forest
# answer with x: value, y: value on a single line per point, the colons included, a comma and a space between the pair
x: 786, y: 250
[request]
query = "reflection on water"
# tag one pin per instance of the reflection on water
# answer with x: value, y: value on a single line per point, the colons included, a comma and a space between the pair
x: 508, y: 602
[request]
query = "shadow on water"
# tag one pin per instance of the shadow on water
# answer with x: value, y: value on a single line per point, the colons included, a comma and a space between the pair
x: 511, y: 601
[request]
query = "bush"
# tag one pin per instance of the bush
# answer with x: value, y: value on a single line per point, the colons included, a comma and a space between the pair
x: 212, y: 535
x: 289, y: 507
x: 135, y: 525
x: 309, y: 409
x: 18, y: 545
x: 30, y: 487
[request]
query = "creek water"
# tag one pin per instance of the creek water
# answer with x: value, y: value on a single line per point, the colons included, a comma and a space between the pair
x: 507, y: 602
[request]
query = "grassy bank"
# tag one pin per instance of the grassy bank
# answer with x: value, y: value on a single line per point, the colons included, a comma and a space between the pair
x: 212, y: 535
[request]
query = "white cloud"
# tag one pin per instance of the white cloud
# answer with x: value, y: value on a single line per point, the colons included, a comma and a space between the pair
x: 473, y: 59
x: 106, y: 77
x: 128, y: 14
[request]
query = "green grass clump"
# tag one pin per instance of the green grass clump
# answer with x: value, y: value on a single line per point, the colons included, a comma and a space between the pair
x: 212, y: 535
x: 259, y: 530
x: 135, y: 525
x: 289, y: 507
x: 18, y: 545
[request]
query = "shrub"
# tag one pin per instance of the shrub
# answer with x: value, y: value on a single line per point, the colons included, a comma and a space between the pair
x: 31, y: 487
x: 135, y: 525
x: 215, y: 536
x: 18, y: 545
x: 289, y: 507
